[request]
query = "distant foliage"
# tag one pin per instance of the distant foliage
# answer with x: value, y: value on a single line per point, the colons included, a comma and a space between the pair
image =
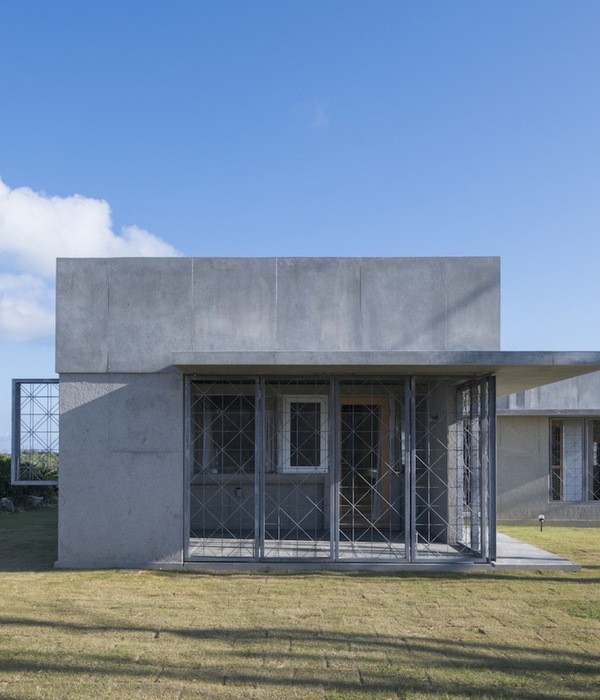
x: 39, y: 465
x: 19, y: 495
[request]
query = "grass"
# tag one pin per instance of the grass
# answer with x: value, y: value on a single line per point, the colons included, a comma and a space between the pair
x: 28, y: 541
x: 140, y: 634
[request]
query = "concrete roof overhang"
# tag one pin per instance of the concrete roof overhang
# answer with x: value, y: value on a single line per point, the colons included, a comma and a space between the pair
x: 514, y: 370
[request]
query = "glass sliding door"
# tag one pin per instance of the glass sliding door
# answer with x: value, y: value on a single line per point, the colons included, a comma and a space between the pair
x: 341, y: 469
x: 371, y: 471
x: 223, y: 467
x: 296, y: 484
x: 451, y: 463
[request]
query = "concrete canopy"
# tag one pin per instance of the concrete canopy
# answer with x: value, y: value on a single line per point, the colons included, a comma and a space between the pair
x: 514, y: 370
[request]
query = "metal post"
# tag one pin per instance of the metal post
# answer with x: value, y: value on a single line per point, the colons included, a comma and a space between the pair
x: 187, y: 465
x: 459, y: 450
x: 16, y: 430
x: 260, y: 468
x: 334, y: 469
x: 475, y: 408
x: 492, y: 469
x: 410, y: 499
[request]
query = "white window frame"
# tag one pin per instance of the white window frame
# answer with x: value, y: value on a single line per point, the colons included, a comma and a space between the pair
x: 286, y: 452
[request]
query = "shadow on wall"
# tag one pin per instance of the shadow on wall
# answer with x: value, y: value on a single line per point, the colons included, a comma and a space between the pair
x: 121, y: 479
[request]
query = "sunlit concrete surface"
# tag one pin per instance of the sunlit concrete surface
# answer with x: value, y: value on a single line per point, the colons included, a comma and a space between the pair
x: 514, y: 554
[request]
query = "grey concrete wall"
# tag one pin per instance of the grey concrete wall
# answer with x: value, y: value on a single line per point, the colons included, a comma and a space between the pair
x: 119, y: 321
x: 132, y: 314
x: 523, y: 459
x: 230, y: 502
x: 580, y: 394
x: 121, y: 470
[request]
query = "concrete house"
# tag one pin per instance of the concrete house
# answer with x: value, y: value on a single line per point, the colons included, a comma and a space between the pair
x: 331, y: 412
x: 549, y: 453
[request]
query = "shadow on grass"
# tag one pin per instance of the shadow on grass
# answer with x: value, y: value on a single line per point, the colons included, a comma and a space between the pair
x: 28, y: 540
x: 281, y: 657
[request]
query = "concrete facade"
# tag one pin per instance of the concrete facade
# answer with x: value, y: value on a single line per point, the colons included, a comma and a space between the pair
x: 575, y: 396
x: 131, y: 331
x: 524, y: 451
x: 121, y: 480
x: 131, y: 315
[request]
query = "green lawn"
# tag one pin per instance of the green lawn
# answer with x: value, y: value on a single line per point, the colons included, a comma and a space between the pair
x: 139, y: 634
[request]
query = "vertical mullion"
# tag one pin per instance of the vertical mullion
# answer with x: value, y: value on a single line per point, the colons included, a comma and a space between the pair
x: 459, y: 495
x: 410, y: 499
x: 187, y: 465
x: 334, y: 469
x: 586, y: 465
x: 484, y: 417
x: 474, y: 465
x: 392, y: 466
x: 259, y: 471
x: 491, y: 485
x: 16, y: 431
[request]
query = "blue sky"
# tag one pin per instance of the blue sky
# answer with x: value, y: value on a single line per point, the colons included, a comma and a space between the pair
x: 301, y: 128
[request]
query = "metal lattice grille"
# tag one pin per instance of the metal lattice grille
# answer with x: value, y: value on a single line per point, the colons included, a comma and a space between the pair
x: 372, y: 474
x: 369, y: 470
x: 297, y: 481
x: 594, y: 490
x: 432, y: 449
x: 223, y: 434
x: 467, y: 498
x: 575, y: 460
x: 449, y: 463
x: 35, y: 456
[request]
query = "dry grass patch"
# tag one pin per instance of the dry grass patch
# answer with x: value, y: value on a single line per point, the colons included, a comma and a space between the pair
x: 139, y: 634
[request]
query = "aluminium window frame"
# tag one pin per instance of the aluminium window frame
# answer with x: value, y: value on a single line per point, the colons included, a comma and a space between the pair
x: 285, y: 448
x: 586, y: 477
x: 17, y: 436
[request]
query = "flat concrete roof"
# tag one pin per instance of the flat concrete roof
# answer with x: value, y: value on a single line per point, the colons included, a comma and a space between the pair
x: 514, y: 370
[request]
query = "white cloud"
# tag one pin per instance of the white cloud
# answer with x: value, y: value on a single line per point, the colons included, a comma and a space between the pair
x: 35, y: 229
x: 26, y: 307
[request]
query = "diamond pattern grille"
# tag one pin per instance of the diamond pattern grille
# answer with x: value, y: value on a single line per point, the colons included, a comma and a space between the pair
x: 575, y: 460
x: 372, y: 475
x: 36, y: 413
x: 595, y: 461
x: 223, y: 448
x: 297, y: 484
x: 292, y: 469
x: 448, y: 468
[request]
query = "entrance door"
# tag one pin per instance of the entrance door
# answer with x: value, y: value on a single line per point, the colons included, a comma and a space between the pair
x: 364, y: 452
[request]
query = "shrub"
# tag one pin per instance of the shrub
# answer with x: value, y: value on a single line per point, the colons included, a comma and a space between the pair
x: 19, y: 495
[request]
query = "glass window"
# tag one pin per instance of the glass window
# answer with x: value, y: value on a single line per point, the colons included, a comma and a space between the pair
x: 575, y: 460
x: 556, y: 460
x: 225, y: 440
x: 594, y: 490
x: 305, y: 434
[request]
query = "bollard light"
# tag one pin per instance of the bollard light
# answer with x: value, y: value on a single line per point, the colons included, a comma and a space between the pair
x: 541, y: 518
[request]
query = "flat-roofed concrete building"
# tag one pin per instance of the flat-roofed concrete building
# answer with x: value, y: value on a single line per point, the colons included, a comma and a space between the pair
x: 318, y: 412
x: 549, y: 453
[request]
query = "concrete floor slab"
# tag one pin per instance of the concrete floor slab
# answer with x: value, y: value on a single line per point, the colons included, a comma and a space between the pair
x: 514, y: 554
